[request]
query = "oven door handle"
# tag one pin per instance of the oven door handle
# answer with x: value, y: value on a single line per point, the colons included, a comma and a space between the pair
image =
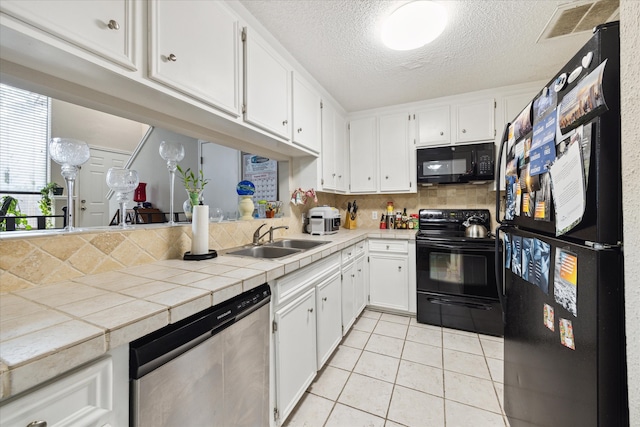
x: 475, y: 305
x: 464, y: 246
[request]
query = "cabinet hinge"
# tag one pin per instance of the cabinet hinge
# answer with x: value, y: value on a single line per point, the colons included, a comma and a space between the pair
x: 349, y: 126
x: 368, y: 298
x: 410, y: 184
x: 495, y: 104
x: 414, y: 117
x: 201, y: 160
x: 367, y: 259
x: 244, y: 34
x: 342, y: 329
x: 321, y: 105
x: 321, y: 181
x: 409, y: 117
x: 274, y: 326
x: 341, y: 277
x: 276, y: 414
x: 414, y: 141
x: 244, y: 108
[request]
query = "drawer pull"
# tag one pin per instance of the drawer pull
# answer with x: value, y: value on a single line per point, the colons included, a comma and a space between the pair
x: 324, y: 298
x: 113, y: 25
x: 172, y: 57
x: 39, y: 423
x: 399, y: 268
x: 387, y: 247
x: 311, y: 310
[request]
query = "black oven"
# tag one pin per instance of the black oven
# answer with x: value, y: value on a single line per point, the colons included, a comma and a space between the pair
x: 455, y: 164
x: 456, y: 280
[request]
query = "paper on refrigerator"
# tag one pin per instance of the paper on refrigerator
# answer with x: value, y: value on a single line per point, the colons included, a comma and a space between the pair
x: 567, y: 179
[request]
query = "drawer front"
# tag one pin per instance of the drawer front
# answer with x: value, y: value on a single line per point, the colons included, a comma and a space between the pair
x: 360, y: 248
x: 348, y: 254
x: 389, y: 246
x: 290, y: 285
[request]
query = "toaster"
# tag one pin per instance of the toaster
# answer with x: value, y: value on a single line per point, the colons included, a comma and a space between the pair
x: 323, y: 220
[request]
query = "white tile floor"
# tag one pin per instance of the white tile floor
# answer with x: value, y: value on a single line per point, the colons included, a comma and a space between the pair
x: 391, y: 371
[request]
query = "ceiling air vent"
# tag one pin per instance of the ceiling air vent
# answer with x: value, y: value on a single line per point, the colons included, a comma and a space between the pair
x: 579, y: 16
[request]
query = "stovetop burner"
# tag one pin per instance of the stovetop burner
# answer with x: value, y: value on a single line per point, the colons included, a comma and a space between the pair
x: 447, y: 224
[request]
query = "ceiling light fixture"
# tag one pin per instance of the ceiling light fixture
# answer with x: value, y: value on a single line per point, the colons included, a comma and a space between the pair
x: 413, y: 25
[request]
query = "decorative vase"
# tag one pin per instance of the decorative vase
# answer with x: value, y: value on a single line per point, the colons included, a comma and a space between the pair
x: 245, y: 207
x: 193, y: 200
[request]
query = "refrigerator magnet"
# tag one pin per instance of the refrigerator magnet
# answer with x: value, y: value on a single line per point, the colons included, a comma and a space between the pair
x: 560, y: 82
x: 548, y: 317
x: 566, y: 333
x: 527, y: 259
x: 541, y: 264
x: 565, y: 280
x: 516, y: 254
x: 586, y: 60
x: 507, y: 252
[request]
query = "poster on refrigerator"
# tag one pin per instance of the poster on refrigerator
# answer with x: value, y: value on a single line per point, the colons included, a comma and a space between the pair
x: 566, y: 333
x: 541, y: 264
x: 527, y: 259
x: 544, y: 104
x: 569, y: 192
x: 543, y: 148
x: 522, y: 123
x: 548, y: 317
x: 510, y: 187
x: 543, y: 199
x: 507, y: 250
x: 583, y: 102
x: 565, y: 281
x: 516, y: 255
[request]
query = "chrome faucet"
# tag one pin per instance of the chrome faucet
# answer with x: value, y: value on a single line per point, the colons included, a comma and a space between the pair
x: 257, y: 236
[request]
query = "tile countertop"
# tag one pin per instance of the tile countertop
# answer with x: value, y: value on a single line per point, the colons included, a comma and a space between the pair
x: 48, y: 330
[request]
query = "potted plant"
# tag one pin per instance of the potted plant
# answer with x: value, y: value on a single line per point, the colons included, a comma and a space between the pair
x: 45, y: 200
x: 194, y: 184
x: 10, y: 207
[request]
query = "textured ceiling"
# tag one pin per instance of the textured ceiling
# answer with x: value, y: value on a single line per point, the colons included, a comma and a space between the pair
x: 486, y: 44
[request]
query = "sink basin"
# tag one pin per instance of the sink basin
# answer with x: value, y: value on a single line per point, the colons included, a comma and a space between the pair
x: 297, y: 244
x: 265, y: 252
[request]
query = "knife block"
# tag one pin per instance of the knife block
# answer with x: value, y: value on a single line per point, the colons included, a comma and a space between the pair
x: 350, y: 224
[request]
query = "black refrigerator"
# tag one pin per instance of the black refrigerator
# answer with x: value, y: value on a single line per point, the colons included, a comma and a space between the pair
x: 563, y: 290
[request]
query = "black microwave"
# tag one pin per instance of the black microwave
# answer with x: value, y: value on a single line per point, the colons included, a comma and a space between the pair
x: 456, y: 164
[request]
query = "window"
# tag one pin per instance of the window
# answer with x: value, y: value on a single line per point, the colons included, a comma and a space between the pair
x: 24, y: 132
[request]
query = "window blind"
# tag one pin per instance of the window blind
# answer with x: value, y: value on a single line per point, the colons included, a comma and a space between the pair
x: 24, y: 133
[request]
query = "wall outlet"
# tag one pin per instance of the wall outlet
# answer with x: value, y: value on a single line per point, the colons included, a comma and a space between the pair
x: 374, y: 214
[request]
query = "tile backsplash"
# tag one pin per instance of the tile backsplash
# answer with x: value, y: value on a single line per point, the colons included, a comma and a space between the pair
x: 34, y: 261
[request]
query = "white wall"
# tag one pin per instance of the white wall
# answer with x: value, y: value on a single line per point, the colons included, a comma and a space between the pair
x: 152, y: 169
x: 630, y: 91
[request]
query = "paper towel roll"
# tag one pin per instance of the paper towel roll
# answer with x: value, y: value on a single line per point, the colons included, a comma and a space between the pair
x: 200, y: 230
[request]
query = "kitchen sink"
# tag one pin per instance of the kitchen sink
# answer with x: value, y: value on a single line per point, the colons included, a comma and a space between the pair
x: 297, y: 244
x: 265, y: 252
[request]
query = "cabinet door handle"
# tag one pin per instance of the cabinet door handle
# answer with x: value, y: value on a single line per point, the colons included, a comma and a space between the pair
x: 369, y: 178
x: 284, y: 122
x: 387, y: 247
x: 299, y: 130
x: 353, y: 275
x: 324, y: 298
x: 441, y: 133
x: 172, y: 57
x: 464, y: 131
x: 359, y: 270
x: 399, y: 268
x: 39, y: 423
x: 311, y: 310
x: 113, y: 25
x: 339, y: 176
x: 386, y: 177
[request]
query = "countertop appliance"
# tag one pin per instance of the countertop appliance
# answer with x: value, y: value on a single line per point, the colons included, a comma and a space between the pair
x: 323, y: 220
x: 210, y: 369
x: 456, y: 164
x: 456, y: 281
x: 564, y: 342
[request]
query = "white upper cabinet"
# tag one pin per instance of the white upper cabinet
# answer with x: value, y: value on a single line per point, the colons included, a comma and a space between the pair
x: 102, y: 27
x: 474, y: 121
x: 267, y: 90
x: 433, y: 126
x: 363, y: 144
x: 306, y: 115
x: 393, y: 139
x: 334, y: 150
x: 195, y: 49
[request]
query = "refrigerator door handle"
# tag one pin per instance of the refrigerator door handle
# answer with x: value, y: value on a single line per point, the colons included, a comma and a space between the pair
x: 444, y: 301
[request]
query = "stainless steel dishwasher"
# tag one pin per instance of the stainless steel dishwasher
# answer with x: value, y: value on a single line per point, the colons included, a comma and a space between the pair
x: 211, y: 369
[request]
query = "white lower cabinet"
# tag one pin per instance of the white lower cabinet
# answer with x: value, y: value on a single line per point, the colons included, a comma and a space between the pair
x: 328, y: 317
x: 81, y: 398
x: 389, y: 274
x: 360, y: 288
x: 295, y: 350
